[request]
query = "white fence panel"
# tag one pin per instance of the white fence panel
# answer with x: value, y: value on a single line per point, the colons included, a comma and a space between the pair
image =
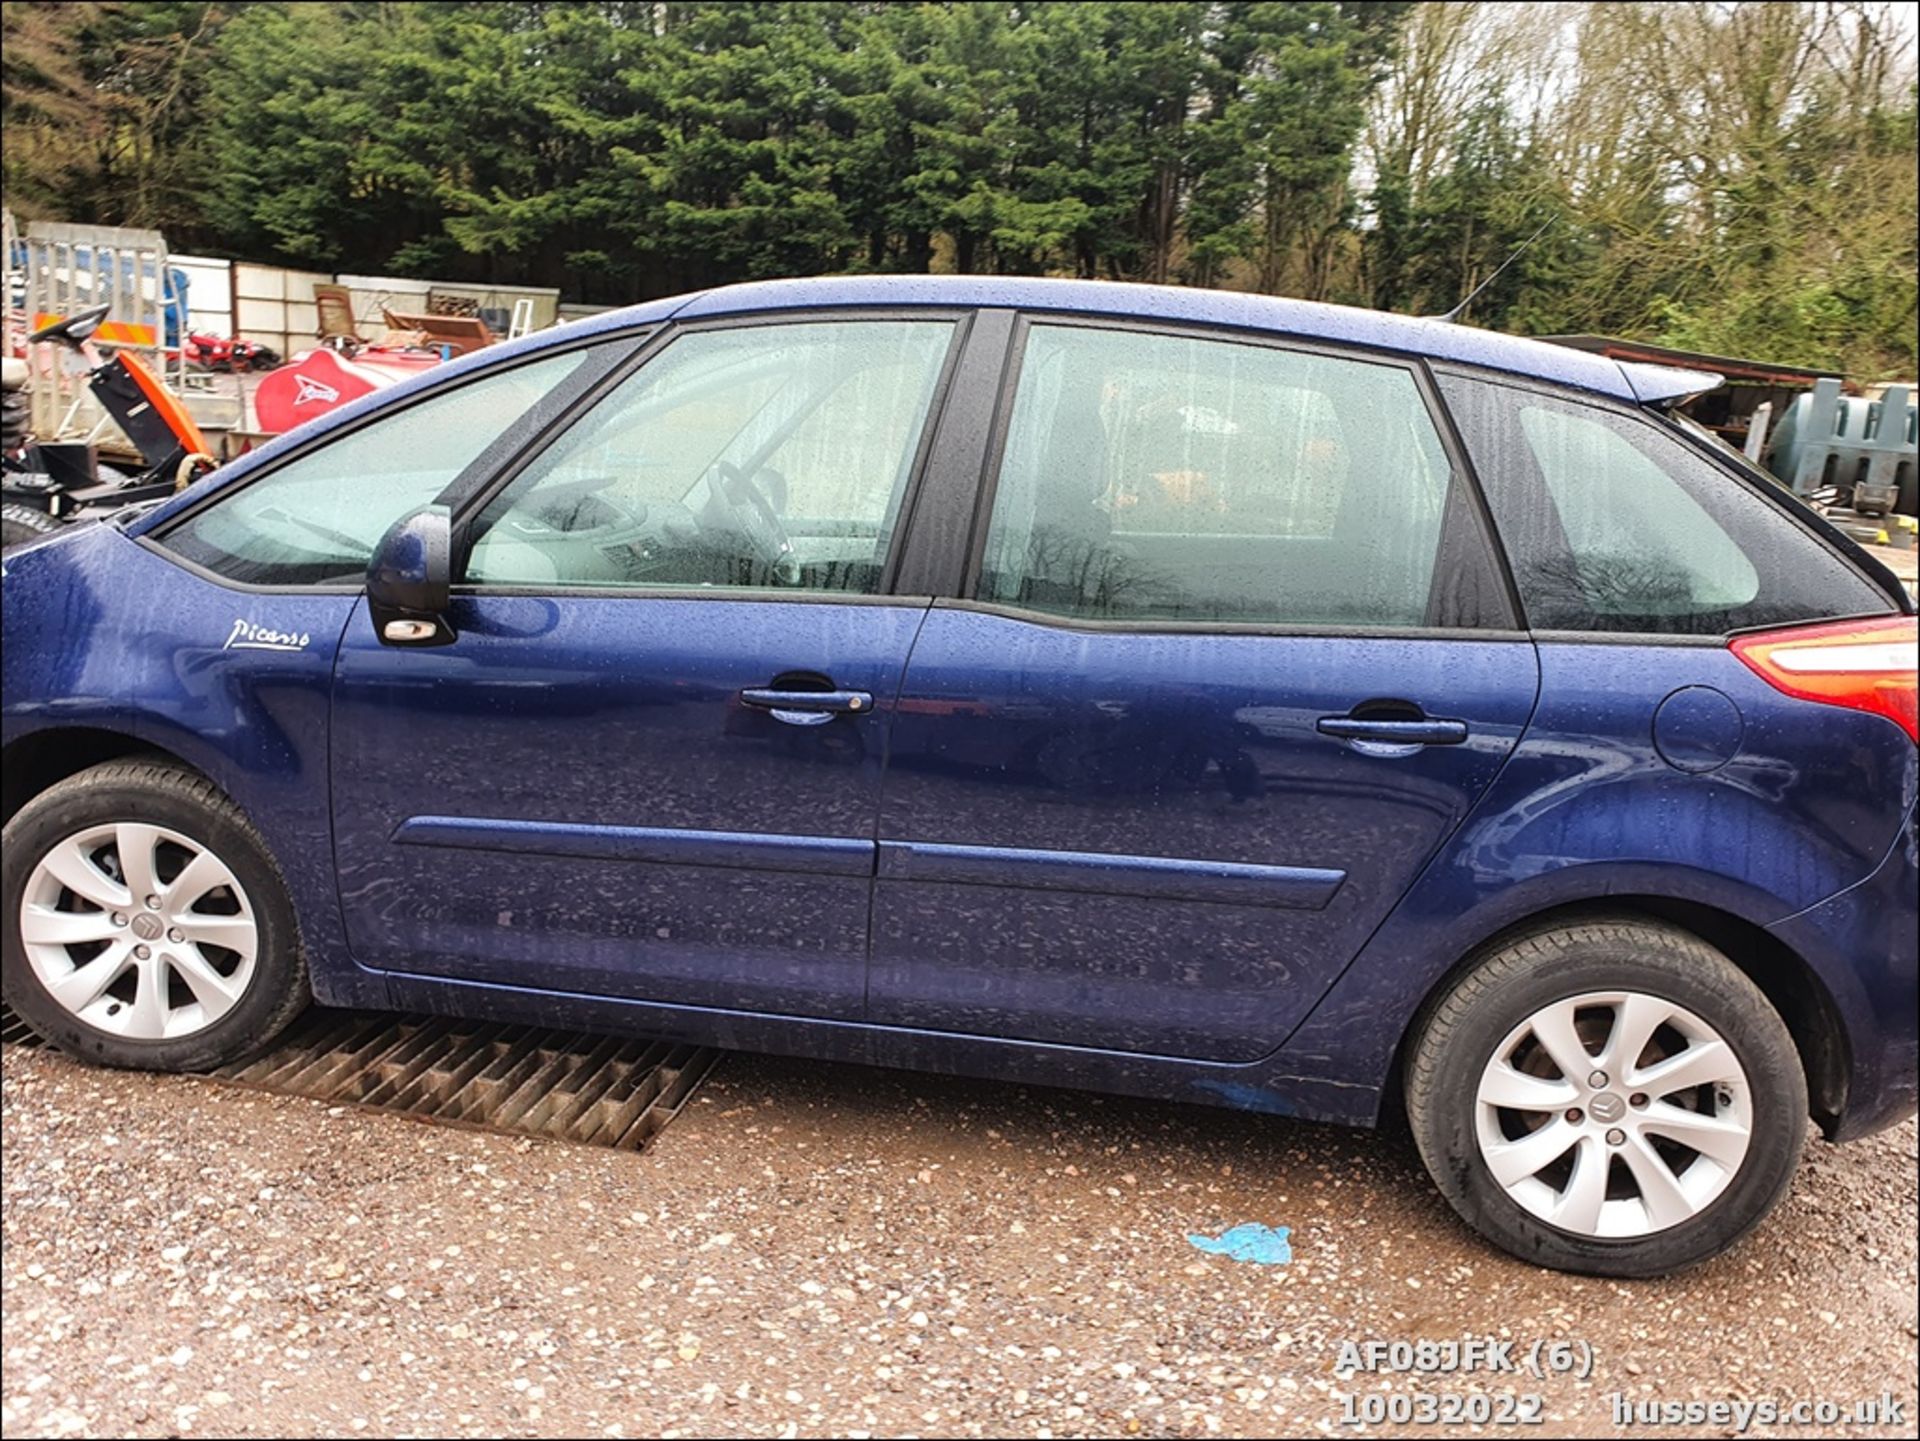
x: 209, y: 293
x: 275, y: 306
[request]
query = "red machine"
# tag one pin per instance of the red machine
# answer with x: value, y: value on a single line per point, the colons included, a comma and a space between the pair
x: 346, y: 365
x: 324, y: 380
x: 228, y: 353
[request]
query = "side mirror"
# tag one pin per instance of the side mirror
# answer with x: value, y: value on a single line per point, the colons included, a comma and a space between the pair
x: 410, y: 580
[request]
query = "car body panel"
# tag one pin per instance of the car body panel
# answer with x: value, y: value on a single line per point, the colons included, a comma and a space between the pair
x: 1069, y: 814
x: 1588, y: 810
x: 573, y: 789
x: 1865, y: 946
x: 1657, y: 384
x: 1272, y: 314
x: 1267, y: 1085
x: 238, y: 684
x: 52, y: 678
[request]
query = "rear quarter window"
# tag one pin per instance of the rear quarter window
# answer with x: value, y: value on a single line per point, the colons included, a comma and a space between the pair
x: 1611, y: 524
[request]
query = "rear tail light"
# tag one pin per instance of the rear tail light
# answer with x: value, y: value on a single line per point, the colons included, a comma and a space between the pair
x: 1861, y: 664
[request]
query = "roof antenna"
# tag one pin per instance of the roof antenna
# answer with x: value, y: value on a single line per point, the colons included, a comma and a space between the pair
x: 1474, y: 294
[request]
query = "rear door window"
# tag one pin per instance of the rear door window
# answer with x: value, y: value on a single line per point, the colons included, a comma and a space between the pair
x: 1173, y: 478
x: 1613, y: 525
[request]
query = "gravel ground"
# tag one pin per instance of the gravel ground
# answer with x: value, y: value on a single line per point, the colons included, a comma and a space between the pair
x: 827, y: 1250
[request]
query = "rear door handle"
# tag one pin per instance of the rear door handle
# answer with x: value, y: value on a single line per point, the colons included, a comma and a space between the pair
x: 808, y: 707
x: 1394, y: 732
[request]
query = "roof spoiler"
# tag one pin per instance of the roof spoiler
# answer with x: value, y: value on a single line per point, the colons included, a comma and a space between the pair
x: 1666, y: 385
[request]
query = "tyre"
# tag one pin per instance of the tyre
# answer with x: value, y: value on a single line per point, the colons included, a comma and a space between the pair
x: 1612, y: 1097
x: 146, y: 924
x: 13, y: 421
x: 20, y: 524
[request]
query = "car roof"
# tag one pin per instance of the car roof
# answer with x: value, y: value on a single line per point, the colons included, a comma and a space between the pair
x: 1270, y: 314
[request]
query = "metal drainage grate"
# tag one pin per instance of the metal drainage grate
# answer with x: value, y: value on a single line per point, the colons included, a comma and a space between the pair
x: 527, y: 1080
x: 597, y: 1090
x: 13, y: 1030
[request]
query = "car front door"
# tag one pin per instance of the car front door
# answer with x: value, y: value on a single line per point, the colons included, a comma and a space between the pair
x: 1234, y: 660
x: 648, y: 765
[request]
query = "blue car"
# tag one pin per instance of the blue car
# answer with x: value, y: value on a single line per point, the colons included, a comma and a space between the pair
x: 1179, y: 693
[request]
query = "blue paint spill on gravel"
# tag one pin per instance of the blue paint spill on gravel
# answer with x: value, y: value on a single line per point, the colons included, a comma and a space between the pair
x: 1263, y: 1245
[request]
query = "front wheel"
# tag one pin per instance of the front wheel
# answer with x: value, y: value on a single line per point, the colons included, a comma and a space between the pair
x: 146, y: 925
x: 1613, y: 1097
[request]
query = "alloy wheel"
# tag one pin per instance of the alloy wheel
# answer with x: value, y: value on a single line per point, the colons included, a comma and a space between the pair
x: 1614, y: 1114
x: 139, y: 931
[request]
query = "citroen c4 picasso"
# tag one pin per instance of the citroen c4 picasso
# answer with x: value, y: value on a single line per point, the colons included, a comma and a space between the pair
x: 1194, y: 695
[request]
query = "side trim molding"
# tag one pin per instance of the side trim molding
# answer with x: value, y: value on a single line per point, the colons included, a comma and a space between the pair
x: 1289, y: 887
x: 735, y: 850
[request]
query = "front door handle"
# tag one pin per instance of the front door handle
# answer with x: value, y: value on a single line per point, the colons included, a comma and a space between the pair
x: 1394, y: 732
x: 808, y: 707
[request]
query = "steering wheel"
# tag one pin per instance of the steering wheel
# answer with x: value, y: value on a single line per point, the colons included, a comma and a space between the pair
x: 750, y: 512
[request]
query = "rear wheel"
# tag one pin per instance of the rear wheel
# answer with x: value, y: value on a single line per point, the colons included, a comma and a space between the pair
x: 146, y: 925
x: 1611, y: 1097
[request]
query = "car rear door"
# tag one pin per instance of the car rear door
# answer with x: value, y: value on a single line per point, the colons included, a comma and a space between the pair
x: 648, y: 765
x: 1230, y: 660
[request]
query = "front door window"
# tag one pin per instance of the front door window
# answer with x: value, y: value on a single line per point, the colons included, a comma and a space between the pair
x: 773, y: 457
